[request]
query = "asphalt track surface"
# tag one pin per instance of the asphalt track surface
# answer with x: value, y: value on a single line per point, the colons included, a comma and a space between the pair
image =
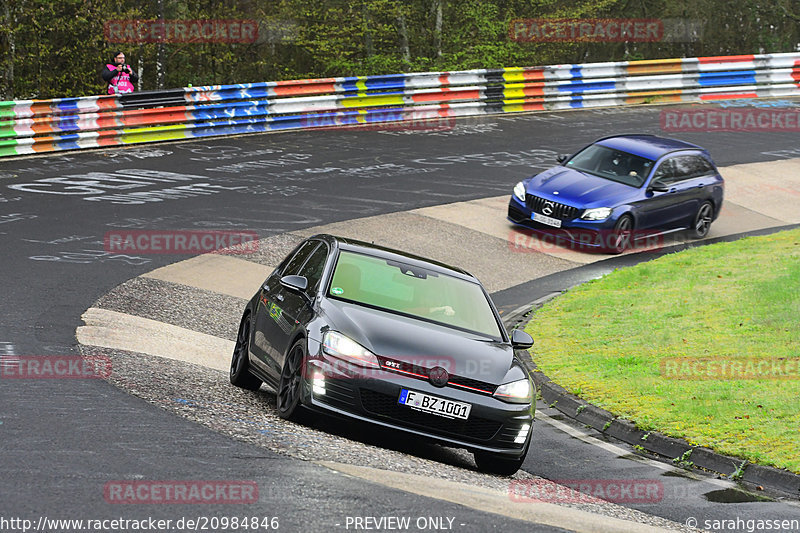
x: 62, y: 440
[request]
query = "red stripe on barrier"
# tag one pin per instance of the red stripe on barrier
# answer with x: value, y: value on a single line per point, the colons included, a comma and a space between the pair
x: 42, y: 125
x: 294, y: 90
x: 796, y: 72
x: 726, y: 59
x: 42, y: 108
x: 107, y: 122
x: 155, y: 116
x: 727, y: 96
x: 45, y: 144
x: 533, y: 75
x: 108, y: 138
x: 108, y: 102
x: 447, y: 94
x: 536, y: 90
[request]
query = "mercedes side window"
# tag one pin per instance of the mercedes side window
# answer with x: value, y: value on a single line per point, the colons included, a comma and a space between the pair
x: 702, y: 166
x: 691, y: 166
x: 665, y: 173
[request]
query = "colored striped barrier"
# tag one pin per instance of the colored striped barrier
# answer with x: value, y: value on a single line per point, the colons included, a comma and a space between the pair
x: 33, y: 126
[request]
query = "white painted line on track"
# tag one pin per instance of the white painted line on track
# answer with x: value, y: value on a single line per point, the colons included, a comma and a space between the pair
x: 217, y: 273
x: 121, y: 331
x: 493, y: 501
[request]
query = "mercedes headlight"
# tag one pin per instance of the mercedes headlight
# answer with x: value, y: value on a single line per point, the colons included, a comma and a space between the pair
x: 597, y: 213
x: 519, y: 192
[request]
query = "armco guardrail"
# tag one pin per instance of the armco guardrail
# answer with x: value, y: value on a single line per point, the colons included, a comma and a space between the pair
x: 33, y: 126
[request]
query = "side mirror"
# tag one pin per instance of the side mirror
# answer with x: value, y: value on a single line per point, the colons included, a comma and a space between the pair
x: 521, y: 340
x: 562, y: 157
x: 296, y: 283
x: 657, y: 186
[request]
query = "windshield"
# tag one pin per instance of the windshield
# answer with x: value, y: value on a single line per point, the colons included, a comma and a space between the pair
x: 411, y: 290
x: 612, y: 164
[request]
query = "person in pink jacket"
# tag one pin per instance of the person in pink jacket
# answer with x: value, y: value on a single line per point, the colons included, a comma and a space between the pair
x: 119, y: 75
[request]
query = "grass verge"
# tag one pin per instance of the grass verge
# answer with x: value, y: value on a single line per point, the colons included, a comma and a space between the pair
x: 703, y: 344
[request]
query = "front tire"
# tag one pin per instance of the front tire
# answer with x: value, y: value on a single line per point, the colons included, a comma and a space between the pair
x: 240, y: 362
x: 621, y: 235
x: 291, y: 383
x: 702, y: 221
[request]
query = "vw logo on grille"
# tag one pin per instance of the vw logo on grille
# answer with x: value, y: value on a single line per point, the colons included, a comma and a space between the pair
x: 548, y: 208
x: 438, y: 376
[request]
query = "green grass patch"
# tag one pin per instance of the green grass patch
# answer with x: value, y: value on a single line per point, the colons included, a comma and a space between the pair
x: 736, y: 303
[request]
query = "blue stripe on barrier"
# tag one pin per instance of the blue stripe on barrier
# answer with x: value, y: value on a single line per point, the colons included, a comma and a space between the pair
x: 581, y: 87
x: 744, y: 77
x: 228, y: 111
x: 68, y: 104
x: 213, y: 130
x: 68, y: 124
x: 66, y: 145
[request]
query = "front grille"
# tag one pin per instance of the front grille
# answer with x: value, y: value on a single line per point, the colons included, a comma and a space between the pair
x: 420, y: 372
x: 560, y: 211
x: 385, y: 405
x: 471, y: 384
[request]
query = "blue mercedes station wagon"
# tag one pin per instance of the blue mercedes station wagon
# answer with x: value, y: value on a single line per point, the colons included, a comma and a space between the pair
x: 620, y: 189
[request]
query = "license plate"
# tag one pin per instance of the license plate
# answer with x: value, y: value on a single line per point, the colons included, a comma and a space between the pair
x: 550, y: 221
x: 434, y: 404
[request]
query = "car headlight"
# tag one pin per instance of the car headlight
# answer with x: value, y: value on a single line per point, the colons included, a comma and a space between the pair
x: 346, y: 349
x: 519, y: 192
x: 597, y: 213
x: 517, y: 391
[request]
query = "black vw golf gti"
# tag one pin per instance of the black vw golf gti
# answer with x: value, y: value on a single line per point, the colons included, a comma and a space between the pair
x: 357, y: 330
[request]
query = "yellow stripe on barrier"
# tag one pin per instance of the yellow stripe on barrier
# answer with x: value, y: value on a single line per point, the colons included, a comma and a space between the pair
x: 655, y: 66
x: 372, y: 100
x: 161, y: 133
x: 517, y: 75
